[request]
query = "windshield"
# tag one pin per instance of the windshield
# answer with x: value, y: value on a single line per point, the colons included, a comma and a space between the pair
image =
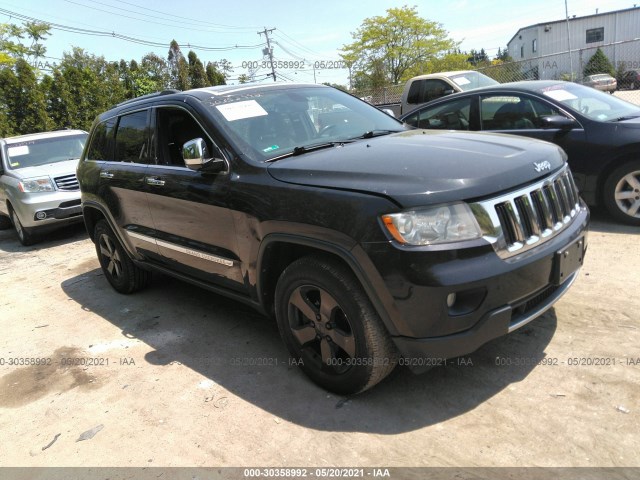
x: 590, y: 102
x: 467, y: 81
x: 273, y: 122
x: 32, y: 153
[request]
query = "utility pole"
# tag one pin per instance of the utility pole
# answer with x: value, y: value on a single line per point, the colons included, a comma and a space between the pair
x: 269, y: 50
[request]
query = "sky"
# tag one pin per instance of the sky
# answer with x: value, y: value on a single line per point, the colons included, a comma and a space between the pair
x: 306, y: 33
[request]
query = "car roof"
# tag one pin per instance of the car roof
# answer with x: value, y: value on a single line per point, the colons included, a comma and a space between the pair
x: 42, y: 135
x: 443, y: 74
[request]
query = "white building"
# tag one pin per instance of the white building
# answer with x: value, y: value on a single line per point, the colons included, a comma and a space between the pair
x: 544, y: 48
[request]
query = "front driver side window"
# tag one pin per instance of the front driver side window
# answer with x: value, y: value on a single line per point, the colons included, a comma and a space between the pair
x: 513, y: 112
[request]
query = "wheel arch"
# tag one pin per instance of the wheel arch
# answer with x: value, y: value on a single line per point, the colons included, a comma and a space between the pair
x: 277, y: 251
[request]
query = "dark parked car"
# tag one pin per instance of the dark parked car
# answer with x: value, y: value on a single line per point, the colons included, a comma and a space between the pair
x: 371, y: 243
x: 600, y: 133
x: 630, y: 79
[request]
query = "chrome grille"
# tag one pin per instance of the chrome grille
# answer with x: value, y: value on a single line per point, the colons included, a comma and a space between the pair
x: 67, y: 182
x: 522, y: 219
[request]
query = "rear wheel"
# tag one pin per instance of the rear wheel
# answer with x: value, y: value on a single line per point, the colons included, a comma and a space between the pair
x: 622, y: 193
x: 123, y: 275
x: 330, y: 327
x: 25, y: 235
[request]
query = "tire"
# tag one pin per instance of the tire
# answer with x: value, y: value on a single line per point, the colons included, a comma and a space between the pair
x: 5, y: 222
x: 622, y: 193
x: 330, y: 327
x: 25, y: 235
x: 123, y: 275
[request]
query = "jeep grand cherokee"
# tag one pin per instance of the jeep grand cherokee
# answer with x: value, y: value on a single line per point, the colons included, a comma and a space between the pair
x: 367, y: 241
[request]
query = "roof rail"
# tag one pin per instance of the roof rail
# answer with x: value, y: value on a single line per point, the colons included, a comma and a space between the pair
x: 168, y: 91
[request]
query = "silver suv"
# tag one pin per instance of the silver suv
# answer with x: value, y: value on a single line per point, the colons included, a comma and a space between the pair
x: 38, y: 186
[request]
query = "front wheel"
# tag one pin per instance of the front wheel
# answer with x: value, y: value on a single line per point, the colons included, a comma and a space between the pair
x: 622, y: 193
x: 330, y: 327
x: 123, y: 275
x: 25, y: 235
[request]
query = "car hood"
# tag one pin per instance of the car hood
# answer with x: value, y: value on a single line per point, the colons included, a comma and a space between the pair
x: 67, y: 167
x: 420, y: 167
x: 631, y: 123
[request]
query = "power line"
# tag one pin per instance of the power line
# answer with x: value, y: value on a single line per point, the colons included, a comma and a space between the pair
x: 133, y: 18
x: 269, y: 50
x: 187, y: 18
x: 98, y: 33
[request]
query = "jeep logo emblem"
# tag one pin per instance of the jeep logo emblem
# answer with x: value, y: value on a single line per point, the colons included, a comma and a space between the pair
x: 542, y: 166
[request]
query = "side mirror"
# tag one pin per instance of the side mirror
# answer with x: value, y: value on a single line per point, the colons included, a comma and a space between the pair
x: 196, y: 157
x: 558, y: 121
x: 389, y: 112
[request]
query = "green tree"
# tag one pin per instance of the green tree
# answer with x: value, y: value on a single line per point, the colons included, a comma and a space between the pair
x: 178, y: 67
x: 397, y: 42
x: 156, y: 70
x: 23, y: 100
x: 12, y: 45
x: 197, y: 75
x: 214, y: 76
x: 598, y: 63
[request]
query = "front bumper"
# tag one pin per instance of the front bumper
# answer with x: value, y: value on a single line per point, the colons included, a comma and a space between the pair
x: 494, y: 296
x: 48, y: 210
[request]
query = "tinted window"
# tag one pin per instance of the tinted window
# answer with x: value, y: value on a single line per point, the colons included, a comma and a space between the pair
x: 447, y: 116
x: 513, y: 112
x: 175, y: 127
x: 132, y: 143
x: 595, y: 35
x: 422, y: 91
x: 101, y: 144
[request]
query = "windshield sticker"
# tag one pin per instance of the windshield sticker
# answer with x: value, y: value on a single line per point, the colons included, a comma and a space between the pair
x: 17, y: 151
x: 270, y: 149
x: 15, y: 164
x: 462, y: 81
x: 241, y: 110
x: 560, y: 95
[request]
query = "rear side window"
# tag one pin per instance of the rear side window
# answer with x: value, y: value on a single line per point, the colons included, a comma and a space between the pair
x: 132, y: 138
x: 101, y: 146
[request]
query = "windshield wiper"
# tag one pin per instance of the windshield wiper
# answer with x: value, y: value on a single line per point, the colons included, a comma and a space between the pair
x: 627, y: 117
x: 377, y: 133
x: 306, y: 149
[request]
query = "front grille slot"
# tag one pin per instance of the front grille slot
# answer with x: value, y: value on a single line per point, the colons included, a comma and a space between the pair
x: 67, y: 182
x: 532, y: 215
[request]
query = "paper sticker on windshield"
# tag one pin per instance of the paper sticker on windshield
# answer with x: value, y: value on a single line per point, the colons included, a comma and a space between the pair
x: 560, y: 95
x: 240, y: 110
x: 19, y: 150
x: 462, y: 81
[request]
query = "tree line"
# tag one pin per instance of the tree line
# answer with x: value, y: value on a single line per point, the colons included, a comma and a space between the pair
x: 82, y: 85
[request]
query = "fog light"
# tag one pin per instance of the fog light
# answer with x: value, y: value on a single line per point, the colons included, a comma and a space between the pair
x: 451, y: 299
x: 41, y: 215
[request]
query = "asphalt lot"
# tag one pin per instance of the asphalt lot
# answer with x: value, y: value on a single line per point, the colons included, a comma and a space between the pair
x: 178, y: 376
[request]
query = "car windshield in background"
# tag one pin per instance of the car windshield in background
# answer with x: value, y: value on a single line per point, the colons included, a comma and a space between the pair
x: 32, y: 153
x: 467, y: 81
x: 283, y: 121
x: 591, y: 103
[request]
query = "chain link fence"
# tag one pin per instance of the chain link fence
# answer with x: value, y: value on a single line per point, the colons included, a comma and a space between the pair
x: 623, y: 56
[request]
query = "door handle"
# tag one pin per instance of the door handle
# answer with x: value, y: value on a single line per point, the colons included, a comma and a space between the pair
x: 155, y: 181
x: 106, y: 174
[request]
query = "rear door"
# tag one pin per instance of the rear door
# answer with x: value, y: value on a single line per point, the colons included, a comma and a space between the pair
x: 122, y: 174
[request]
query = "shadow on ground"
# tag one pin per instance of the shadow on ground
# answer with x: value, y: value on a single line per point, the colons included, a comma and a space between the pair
x: 601, y: 222
x: 9, y: 239
x: 241, y: 351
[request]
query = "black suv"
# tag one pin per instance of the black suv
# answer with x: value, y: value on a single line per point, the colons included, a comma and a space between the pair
x: 370, y: 243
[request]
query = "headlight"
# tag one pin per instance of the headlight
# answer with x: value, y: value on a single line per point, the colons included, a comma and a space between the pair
x: 33, y: 185
x: 433, y: 225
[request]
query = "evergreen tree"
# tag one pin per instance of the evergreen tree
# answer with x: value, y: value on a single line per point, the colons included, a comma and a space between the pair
x: 598, y: 63
x: 178, y: 67
x: 197, y: 75
x: 214, y: 76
